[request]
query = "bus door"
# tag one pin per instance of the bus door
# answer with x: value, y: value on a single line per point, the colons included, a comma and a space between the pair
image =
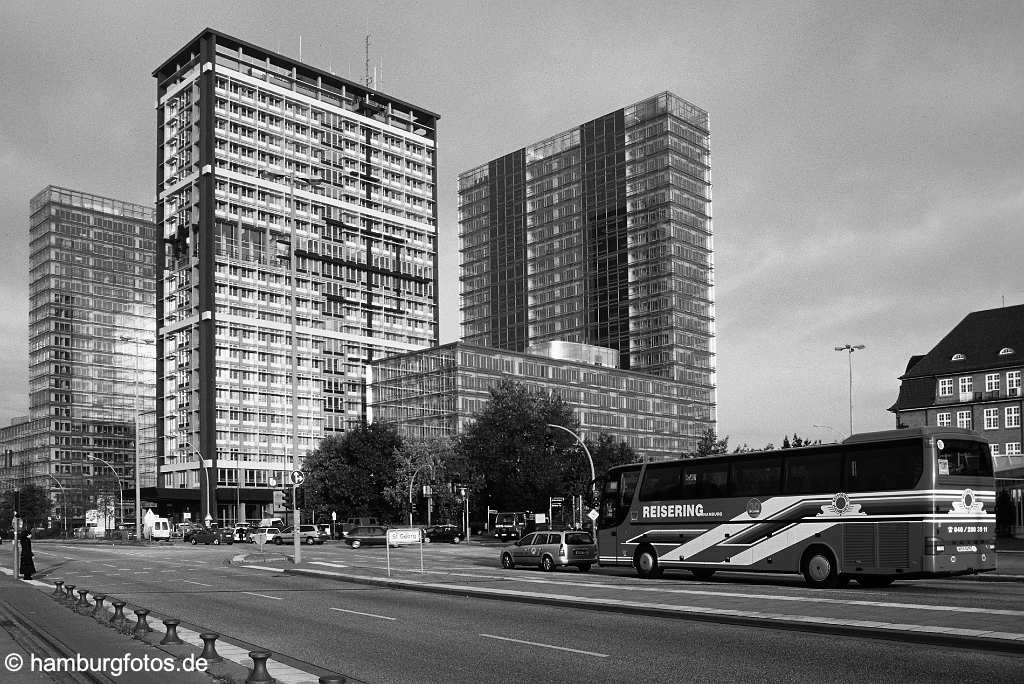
x: 613, y: 523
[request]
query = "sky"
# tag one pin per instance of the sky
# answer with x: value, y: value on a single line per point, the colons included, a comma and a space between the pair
x: 867, y: 158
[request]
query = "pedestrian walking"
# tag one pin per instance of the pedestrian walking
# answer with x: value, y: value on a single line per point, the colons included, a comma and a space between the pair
x: 27, y: 567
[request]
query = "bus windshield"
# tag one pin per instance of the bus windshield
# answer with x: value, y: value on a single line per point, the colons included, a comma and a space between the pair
x: 963, y: 458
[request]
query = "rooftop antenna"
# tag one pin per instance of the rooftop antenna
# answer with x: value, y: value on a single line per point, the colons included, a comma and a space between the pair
x: 300, y: 47
x: 369, y: 81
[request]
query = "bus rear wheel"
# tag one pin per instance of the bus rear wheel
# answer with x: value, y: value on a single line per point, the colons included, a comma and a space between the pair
x: 875, y: 581
x: 646, y: 563
x: 819, y: 568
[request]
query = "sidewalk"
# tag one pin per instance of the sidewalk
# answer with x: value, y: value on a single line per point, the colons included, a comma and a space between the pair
x: 40, y: 629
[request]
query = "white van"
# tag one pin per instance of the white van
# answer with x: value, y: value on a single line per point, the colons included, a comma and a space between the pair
x: 272, y: 522
x: 160, y: 530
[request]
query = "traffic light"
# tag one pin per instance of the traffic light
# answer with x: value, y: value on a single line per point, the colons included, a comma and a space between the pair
x: 299, y: 497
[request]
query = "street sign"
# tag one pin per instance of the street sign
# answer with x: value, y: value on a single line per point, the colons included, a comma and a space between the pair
x: 272, y: 481
x: 334, y: 515
x: 297, y: 477
x: 592, y: 515
x: 403, y: 536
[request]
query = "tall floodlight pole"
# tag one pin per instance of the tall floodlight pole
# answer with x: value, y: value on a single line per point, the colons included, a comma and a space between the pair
x: 293, y: 180
x: 135, y: 408
x: 850, y: 348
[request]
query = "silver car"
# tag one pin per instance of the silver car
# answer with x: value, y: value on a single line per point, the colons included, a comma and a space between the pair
x: 551, y: 549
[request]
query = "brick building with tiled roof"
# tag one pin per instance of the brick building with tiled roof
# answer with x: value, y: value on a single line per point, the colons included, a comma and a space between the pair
x: 972, y: 379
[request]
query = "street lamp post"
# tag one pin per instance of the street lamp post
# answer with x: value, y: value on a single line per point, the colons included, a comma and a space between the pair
x: 209, y: 491
x: 120, y: 489
x: 850, y: 348
x: 412, y: 481
x: 64, y: 495
x: 593, y: 475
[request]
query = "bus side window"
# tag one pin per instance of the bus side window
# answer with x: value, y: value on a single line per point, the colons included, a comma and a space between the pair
x: 705, y: 481
x: 814, y: 473
x: 881, y: 467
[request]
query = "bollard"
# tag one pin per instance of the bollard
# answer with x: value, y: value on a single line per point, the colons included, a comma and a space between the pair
x: 98, y: 611
x: 210, y: 647
x: 82, y: 603
x: 69, y: 596
x: 117, y: 619
x: 171, y: 637
x: 259, y: 674
x: 141, y: 624
x: 58, y: 590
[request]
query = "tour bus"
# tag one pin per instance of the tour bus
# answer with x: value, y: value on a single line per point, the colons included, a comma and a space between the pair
x: 900, y: 504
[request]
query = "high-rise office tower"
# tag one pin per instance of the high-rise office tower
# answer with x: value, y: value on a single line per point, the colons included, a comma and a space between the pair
x: 298, y: 214
x: 91, y: 353
x: 601, y: 235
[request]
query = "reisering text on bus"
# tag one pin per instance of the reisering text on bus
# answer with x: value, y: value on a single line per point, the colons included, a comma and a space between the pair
x: 677, y: 511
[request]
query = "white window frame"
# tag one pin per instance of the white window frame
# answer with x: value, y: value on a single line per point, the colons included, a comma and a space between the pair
x: 1013, y: 383
x: 966, y: 385
x: 1011, y: 417
x: 965, y: 419
x: 945, y: 387
x: 991, y: 419
x: 944, y: 419
x: 992, y: 382
x: 993, y: 449
x: 1012, y: 448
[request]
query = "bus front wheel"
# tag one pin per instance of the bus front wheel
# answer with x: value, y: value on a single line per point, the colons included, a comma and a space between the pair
x: 819, y: 568
x: 646, y: 563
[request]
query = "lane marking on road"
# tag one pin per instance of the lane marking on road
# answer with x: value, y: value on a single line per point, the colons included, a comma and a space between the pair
x: 263, y: 567
x: 253, y: 593
x: 332, y: 565
x: 557, y: 648
x: 356, y: 612
x: 199, y: 583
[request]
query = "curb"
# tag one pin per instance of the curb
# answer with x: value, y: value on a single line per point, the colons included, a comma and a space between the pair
x: 922, y: 634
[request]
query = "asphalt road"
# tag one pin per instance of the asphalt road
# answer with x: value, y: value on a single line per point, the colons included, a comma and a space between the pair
x: 383, y: 635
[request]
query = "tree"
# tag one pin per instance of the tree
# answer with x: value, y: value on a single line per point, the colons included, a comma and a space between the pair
x: 517, y: 461
x: 31, y: 502
x: 351, y: 472
x: 797, y: 442
x: 433, y: 461
x: 709, y: 444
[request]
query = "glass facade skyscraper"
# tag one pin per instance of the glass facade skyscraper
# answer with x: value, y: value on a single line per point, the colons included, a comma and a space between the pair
x: 298, y: 214
x: 601, y: 235
x: 91, y: 353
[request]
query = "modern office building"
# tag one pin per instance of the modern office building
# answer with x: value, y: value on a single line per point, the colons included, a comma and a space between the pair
x: 91, y: 352
x: 298, y: 214
x: 972, y: 379
x: 602, y: 235
x: 435, y: 392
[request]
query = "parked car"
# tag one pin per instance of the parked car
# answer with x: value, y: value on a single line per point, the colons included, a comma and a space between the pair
x: 369, y: 535
x: 272, y: 535
x: 551, y: 549
x: 443, y: 533
x: 324, y: 531
x: 188, y: 530
x: 212, y: 535
x: 242, y: 533
x: 308, y: 534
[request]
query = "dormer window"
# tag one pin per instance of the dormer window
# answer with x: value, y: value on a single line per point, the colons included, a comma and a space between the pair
x: 958, y: 357
x: 1005, y: 351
